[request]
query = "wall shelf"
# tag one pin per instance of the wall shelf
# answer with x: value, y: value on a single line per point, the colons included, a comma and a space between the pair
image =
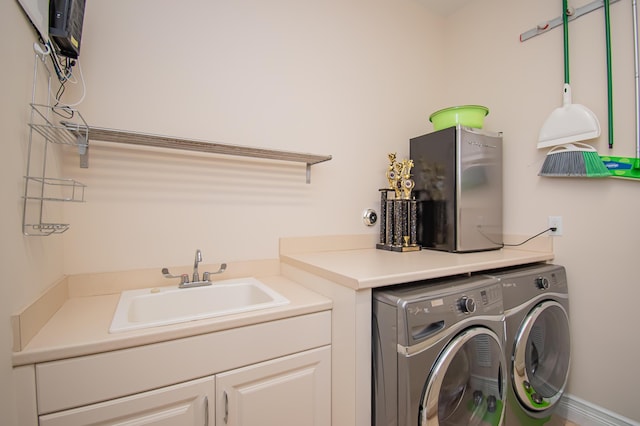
x: 39, y: 188
x: 66, y: 126
x: 159, y: 141
x: 65, y: 189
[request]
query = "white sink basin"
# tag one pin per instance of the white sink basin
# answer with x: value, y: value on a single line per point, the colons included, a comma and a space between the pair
x: 152, y: 307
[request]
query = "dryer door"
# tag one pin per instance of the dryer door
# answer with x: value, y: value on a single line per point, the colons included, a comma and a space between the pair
x: 466, y: 385
x: 541, y: 356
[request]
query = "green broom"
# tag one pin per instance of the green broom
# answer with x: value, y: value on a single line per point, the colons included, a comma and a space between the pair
x: 573, y: 160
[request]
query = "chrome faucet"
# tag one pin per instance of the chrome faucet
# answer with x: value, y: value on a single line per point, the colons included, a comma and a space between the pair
x: 195, y: 279
x: 198, y: 259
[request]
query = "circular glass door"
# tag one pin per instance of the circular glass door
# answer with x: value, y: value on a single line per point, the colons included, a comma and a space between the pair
x: 541, y: 356
x: 466, y: 385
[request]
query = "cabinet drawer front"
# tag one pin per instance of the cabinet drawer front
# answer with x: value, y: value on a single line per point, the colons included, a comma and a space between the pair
x: 185, y: 404
x: 90, y: 379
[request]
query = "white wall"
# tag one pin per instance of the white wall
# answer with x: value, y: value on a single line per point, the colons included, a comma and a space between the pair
x: 352, y: 79
x: 349, y: 79
x: 27, y: 265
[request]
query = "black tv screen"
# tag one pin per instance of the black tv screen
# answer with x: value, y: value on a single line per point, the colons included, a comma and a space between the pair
x: 65, y: 26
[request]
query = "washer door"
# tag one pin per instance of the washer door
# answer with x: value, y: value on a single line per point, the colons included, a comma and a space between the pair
x: 466, y: 384
x: 541, y: 356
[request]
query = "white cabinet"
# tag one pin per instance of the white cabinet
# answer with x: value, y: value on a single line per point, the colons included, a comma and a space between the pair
x: 292, y: 390
x: 258, y: 374
x: 185, y: 404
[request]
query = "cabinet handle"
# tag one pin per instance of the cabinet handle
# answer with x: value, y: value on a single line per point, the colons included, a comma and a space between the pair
x: 226, y: 407
x: 206, y: 411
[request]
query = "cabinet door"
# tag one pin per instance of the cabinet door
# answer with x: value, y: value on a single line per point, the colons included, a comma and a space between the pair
x: 184, y: 404
x: 292, y: 390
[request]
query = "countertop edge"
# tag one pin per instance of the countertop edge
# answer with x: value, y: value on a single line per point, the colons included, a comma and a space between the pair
x: 468, y: 268
x: 317, y: 263
x: 321, y: 272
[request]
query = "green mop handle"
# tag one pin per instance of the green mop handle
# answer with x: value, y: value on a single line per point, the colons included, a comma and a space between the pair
x: 565, y: 26
x: 634, y: 8
x: 607, y: 30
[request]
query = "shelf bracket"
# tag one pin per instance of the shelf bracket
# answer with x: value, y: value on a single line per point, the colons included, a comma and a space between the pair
x: 543, y: 27
x: 83, y: 151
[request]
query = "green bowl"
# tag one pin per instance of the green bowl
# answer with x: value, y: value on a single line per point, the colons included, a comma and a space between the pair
x: 465, y: 115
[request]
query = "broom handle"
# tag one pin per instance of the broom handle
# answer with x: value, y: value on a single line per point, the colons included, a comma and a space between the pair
x: 565, y: 27
x: 635, y: 55
x: 607, y: 31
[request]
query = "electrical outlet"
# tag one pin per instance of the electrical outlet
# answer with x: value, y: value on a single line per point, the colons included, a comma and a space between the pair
x: 555, y: 222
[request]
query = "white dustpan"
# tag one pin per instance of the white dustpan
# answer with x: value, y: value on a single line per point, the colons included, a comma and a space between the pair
x: 571, y: 122
x: 568, y: 123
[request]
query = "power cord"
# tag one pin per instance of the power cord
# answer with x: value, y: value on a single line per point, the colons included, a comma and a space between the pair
x: 64, y: 71
x: 552, y: 229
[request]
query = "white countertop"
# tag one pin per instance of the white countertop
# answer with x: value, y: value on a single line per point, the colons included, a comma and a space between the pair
x: 369, y: 267
x: 81, y: 325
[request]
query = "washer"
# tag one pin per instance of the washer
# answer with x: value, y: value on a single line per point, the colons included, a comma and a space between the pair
x: 538, y: 347
x: 438, y: 356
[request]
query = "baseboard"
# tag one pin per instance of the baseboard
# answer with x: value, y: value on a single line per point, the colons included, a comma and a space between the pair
x: 584, y: 413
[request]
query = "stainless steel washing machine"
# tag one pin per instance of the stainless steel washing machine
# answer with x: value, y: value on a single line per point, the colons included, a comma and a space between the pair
x: 538, y: 348
x: 438, y: 356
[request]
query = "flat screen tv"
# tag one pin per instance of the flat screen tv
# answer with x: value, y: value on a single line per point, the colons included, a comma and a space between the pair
x: 65, y: 26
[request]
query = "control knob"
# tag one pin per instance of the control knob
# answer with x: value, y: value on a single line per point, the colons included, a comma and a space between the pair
x: 467, y: 305
x: 542, y: 283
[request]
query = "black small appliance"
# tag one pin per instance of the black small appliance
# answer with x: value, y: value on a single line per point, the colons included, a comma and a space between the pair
x: 65, y: 26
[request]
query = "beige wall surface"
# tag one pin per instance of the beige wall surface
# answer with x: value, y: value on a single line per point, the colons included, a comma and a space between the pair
x: 28, y: 265
x: 354, y: 79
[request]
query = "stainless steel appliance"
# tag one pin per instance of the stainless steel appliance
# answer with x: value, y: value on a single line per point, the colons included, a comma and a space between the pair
x: 438, y: 356
x: 538, y: 347
x: 458, y: 187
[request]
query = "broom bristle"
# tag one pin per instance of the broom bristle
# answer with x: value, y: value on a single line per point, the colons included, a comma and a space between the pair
x: 594, y: 165
x: 567, y: 163
x: 573, y: 164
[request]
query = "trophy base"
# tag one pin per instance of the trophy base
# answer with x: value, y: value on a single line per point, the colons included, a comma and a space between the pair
x: 401, y: 249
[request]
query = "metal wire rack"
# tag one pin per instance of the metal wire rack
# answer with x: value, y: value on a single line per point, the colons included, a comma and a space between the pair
x: 46, y: 121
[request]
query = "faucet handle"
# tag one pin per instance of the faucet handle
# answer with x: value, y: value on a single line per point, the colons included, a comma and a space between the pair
x: 184, y: 278
x: 205, y: 276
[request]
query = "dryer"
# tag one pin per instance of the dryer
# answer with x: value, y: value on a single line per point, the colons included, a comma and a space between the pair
x: 538, y: 347
x: 438, y: 356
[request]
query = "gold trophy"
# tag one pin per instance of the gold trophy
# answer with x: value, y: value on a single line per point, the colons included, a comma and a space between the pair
x: 399, y: 208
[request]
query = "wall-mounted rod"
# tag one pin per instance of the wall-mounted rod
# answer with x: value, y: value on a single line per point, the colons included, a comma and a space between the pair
x: 556, y: 22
